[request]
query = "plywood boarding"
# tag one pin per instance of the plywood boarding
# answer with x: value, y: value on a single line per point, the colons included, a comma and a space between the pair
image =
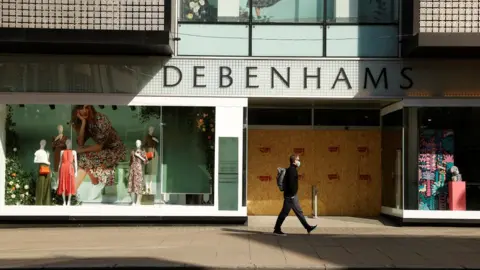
x: 267, y: 150
x: 344, y: 165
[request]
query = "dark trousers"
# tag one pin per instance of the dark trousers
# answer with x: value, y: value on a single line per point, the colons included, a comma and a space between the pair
x: 291, y: 203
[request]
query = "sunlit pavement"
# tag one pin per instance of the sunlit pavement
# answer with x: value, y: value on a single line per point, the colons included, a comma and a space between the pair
x: 331, y: 246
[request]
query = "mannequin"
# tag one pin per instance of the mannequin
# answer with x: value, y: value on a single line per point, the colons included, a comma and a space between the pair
x: 67, y: 172
x: 138, y: 157
x: 58, y: 144
x: 43, y: 189
x: 151, y: 144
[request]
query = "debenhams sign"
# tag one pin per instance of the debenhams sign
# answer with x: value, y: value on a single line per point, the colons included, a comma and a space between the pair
x: 335, y: 76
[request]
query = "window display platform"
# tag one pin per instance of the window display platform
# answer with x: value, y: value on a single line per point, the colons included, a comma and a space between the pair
x: 447, y: 217
x: 99, y: 212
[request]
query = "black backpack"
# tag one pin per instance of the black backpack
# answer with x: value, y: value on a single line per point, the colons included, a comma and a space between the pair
x: 280, y: 176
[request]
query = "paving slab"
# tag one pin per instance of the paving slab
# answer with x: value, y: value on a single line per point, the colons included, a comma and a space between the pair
x: 342, y: 246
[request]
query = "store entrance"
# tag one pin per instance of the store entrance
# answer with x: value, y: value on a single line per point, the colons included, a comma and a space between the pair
x: 339, y: 144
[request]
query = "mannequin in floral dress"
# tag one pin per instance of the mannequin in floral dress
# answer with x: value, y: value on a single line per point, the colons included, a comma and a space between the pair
x: 138, y: 157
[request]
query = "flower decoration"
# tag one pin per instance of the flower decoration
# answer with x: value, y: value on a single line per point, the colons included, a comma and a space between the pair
x: 198, y: 10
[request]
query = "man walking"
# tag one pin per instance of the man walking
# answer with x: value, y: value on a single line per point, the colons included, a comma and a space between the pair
x: 290, y: 199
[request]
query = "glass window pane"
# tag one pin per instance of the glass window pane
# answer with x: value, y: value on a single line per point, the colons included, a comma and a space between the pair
x: 188, y: 154
x: 447, y: 138
x: 332, y: 117
x: 214, y: 11
x: 120, y: 155
x: 366, y: 11
x: 287, y: 11
x: 362, y: 41
x: 245, y: 157
x: 211, y: 39
x: 228, y: 173
x: 287, y: 117
x: 287, y: 40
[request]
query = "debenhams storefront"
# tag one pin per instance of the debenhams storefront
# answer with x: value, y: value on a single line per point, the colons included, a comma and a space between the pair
x: 143, y: 138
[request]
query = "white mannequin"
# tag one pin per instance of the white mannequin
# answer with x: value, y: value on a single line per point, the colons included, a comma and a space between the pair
x: 138, y: 200
x: 151, y: 129
x: 42, y: 156
x: 60, y: 133
x: 150, y: 178
x: 75, y: 166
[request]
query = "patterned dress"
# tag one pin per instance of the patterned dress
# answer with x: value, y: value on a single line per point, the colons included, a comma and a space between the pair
x: 263, y: 3
x: 135, y: 179
x: 100, y: 166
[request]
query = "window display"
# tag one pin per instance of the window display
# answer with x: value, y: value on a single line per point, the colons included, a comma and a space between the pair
x: 447, y: 159
x: 121, y: 155
x: 435, y: 160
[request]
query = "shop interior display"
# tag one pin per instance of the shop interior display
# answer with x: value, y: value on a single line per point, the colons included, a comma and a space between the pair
x: 151, y: 143
x: 67, y: 171
x: 185, y: 164
x: 436, y: 158
x: 138, y: 158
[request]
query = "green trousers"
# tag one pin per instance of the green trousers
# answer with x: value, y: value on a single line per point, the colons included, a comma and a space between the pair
x: 43, y: 190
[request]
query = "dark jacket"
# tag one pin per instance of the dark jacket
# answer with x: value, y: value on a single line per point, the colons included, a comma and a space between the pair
x: 290, y: 188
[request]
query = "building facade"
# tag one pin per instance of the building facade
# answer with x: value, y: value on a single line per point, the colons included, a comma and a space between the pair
x: 184, y: 109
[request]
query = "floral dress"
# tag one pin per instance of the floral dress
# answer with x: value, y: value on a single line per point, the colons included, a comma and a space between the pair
x: 100, y: 166
x: 135, y: 179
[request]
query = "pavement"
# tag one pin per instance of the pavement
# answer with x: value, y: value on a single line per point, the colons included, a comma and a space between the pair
x: 337, y: 243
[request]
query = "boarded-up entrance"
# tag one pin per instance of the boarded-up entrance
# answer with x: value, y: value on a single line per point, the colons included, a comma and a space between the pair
x: 343, y: 164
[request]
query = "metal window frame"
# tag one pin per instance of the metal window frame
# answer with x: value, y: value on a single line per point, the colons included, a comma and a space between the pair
x: 324, y: 23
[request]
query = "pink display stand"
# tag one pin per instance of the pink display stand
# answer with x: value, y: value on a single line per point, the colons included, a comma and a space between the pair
x: 457, y: 196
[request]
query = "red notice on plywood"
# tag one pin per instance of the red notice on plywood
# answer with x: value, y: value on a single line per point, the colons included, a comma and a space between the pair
x: 265, y: 178
x: 264, y: 150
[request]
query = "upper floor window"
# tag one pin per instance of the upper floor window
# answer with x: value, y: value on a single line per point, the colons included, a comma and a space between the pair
x: 362, y: 11
x: 290, y: 11
x: 214, y: 11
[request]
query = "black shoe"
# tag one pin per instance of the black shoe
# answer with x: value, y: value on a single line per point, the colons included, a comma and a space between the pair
x: 311, y: 229
x: 279, y: 233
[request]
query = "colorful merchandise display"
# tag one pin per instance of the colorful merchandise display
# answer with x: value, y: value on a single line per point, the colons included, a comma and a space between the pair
x: 435, y: 160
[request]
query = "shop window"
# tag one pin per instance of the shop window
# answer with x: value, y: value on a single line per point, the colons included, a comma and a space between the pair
x: 214, y: 11
x: 287, y: 11
x: 213, y: 39
x: 287, y: 40
x: 366, y: 11
x: 362, y: 41
x: 124, y: 155
x: 447, y: 140
x: 228, y: 173
x: 346, y: 117
x: 280, y: 117
x: 245, y: 157
x: 392, y: 155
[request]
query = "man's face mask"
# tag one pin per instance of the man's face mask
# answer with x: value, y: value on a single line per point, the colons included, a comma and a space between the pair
x: 298, y: 163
